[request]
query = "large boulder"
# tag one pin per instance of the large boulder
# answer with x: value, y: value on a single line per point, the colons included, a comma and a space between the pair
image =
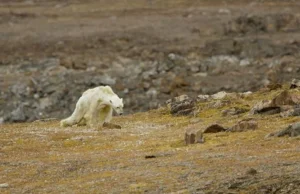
x: 283, y: 102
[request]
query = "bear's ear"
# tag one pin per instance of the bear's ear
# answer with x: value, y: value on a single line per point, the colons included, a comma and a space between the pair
x: 122, y: 99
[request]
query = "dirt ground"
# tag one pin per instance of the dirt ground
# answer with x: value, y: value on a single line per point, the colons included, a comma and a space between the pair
x: 147, y: 155
x: 35, y: 29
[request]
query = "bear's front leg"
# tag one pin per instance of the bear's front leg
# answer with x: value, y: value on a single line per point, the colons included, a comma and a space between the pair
x: 93, y: 119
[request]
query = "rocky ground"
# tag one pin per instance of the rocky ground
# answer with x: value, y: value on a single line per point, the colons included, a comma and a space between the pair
x: 148, y: 51
x: 251, y: 151
x: 217, y: 138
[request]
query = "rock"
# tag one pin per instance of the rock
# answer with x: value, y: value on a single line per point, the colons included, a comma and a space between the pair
x: 292, y: 130
x: 181, y: 105
x: 245, y: 94
x: 280, y: 103
x: 181, y: 98
x: 193, y: 136
x: 219, y: 95
x: 195, y: 69
x: 245, y: 62
x: 18, y: 115
x: 215, y: 128
x: 4, y: 185
x: 244, y: 125
x: 45, y: 102
x: 265, y: 107
x: 176, y: 59
x: 152, y: 93
x: 202, y: 98
x: 234, y: 111
x: 292, y: 111
x: 295, y: 83
x: 286, y: 98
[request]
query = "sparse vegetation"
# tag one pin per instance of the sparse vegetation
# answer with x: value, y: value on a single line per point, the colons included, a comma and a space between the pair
x: 43, y: 157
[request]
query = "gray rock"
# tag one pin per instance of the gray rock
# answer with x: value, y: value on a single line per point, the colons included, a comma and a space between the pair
x: 292, y: 130
x: 202, y: 98
x: 265, y: 107
x: 45, y: 102
x: 182, y: 105
x: 18, y: 115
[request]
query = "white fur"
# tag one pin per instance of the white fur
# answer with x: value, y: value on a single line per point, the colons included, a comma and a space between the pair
x: 95, y: 107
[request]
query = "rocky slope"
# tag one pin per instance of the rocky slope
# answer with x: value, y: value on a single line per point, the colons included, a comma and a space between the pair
x: 147, y: 51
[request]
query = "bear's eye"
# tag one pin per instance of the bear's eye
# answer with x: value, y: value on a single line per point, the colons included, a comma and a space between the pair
x: 110, y: 101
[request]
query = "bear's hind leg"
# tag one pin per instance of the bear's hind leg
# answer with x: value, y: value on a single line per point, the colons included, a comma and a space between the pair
x: 75, y: 118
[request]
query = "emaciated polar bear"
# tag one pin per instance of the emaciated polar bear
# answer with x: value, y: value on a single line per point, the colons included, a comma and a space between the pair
x: 95, y: 107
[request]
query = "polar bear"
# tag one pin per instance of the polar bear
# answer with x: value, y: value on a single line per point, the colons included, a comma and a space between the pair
x: 95, y: 107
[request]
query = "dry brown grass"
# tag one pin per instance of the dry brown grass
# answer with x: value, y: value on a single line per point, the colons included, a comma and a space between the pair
x: 41, y: 157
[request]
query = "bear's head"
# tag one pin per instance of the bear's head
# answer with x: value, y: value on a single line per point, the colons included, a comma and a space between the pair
x: 117, y: 105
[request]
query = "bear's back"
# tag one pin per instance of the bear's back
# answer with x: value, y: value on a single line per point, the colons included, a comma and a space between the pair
x: 104, y: 92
